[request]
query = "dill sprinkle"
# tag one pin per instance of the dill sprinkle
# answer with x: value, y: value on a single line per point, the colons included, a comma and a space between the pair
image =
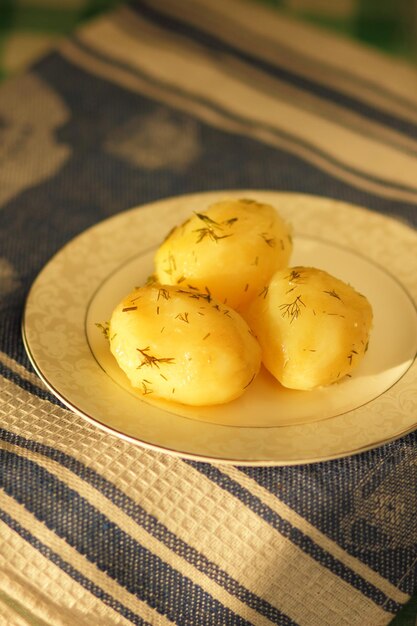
x: 247, y: 384
x: 163, y: 293
x: 105, y: 328
x: 292, y: 309
x: 333, y: 294
x: 151, y: 360
x: 270, y: 241
x: 183, y: 317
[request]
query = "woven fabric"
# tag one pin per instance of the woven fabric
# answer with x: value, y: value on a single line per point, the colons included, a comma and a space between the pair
x: 30, y: 28
x: 390, y: 26
x: 158, y: 99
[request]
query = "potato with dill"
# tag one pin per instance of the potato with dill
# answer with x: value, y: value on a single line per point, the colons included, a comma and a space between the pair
x: 313, y: 328
x: 232, y: 248
x: 183, y: 345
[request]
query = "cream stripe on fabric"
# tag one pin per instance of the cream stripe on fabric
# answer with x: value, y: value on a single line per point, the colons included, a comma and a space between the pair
x: 282, y: 509
x: 363, y: 63
x: 20, y: 370
x: 135, y: 83
x: 281, y: 51
x: 77, y: 603
x: 318, y: 537
x: 160, y: 56
x: 14, y: 614
x: 28, y: 601
x: 302, y: 99
x: 201, y: 513
x: 29, y: 578
x: 205, y: 78
x: 129, y: 526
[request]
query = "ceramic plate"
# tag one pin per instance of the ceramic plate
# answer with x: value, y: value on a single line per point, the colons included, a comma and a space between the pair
x: 81, y: 285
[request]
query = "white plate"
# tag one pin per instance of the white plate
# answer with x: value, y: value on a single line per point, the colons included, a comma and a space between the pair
x: 82, y: 284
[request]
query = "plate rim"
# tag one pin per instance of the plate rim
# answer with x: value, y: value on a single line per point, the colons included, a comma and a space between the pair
x: 191, y: 455
x: 200, y: 457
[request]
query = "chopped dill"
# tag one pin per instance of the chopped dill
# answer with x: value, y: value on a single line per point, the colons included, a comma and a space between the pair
x: 210, y: 233
x: 248, y: 383
x: 270, y: 241
x: 145, y: 389
x: 294, y: 275
x: 163, y: 293
x: 212, y: 229
x: 292, y: 309
x: 333, y: 294
x: 183, y: 317
x: 151, y: 360
x: 105, y: 328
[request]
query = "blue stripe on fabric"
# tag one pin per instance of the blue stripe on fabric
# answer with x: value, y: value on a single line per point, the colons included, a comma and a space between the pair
x: 71, y: 571
x: 354, y: 501
x: 296, y: 536
x: 248, y: 123
x: 280, y: 47
x: 176, y: 25
x: 112, y: 550
x: 155, y: 528
x: 18, y: 380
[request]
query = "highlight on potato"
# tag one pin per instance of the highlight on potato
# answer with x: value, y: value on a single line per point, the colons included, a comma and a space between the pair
x: 233, y: 247
x: 312, y: 327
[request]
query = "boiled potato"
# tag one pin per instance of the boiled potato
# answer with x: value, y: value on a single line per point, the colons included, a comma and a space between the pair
x: 183, y: 345
x: 313, y: 328
x: 232, y: 248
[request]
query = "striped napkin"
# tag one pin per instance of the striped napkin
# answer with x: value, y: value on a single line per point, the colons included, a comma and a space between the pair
x: 157, y: 99
x: 29, y: 28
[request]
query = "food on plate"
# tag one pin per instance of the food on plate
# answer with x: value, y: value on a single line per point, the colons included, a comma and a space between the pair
x: 232, y: 248
x: 183, y: 345
x: 312, y: 327
x: 223, y: 299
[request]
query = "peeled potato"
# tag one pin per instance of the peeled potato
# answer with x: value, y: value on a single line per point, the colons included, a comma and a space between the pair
x: 313, y: 328
x: 183, y: 345
x: 233, y: 248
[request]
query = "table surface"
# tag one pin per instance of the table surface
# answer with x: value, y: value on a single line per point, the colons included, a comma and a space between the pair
x: 152, y: 101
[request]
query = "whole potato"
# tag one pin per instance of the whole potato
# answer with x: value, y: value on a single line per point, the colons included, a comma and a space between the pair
x: 232, y: 248
x: 313, y: 328
x: 183, y: 345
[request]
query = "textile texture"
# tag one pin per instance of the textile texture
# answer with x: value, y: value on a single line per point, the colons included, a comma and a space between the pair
x: 158, y: 99
x: 30, y: 28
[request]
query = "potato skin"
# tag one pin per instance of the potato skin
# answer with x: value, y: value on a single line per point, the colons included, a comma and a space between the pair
x: 233, y: 248
x: 183, y: 346
x: 313, y: 328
